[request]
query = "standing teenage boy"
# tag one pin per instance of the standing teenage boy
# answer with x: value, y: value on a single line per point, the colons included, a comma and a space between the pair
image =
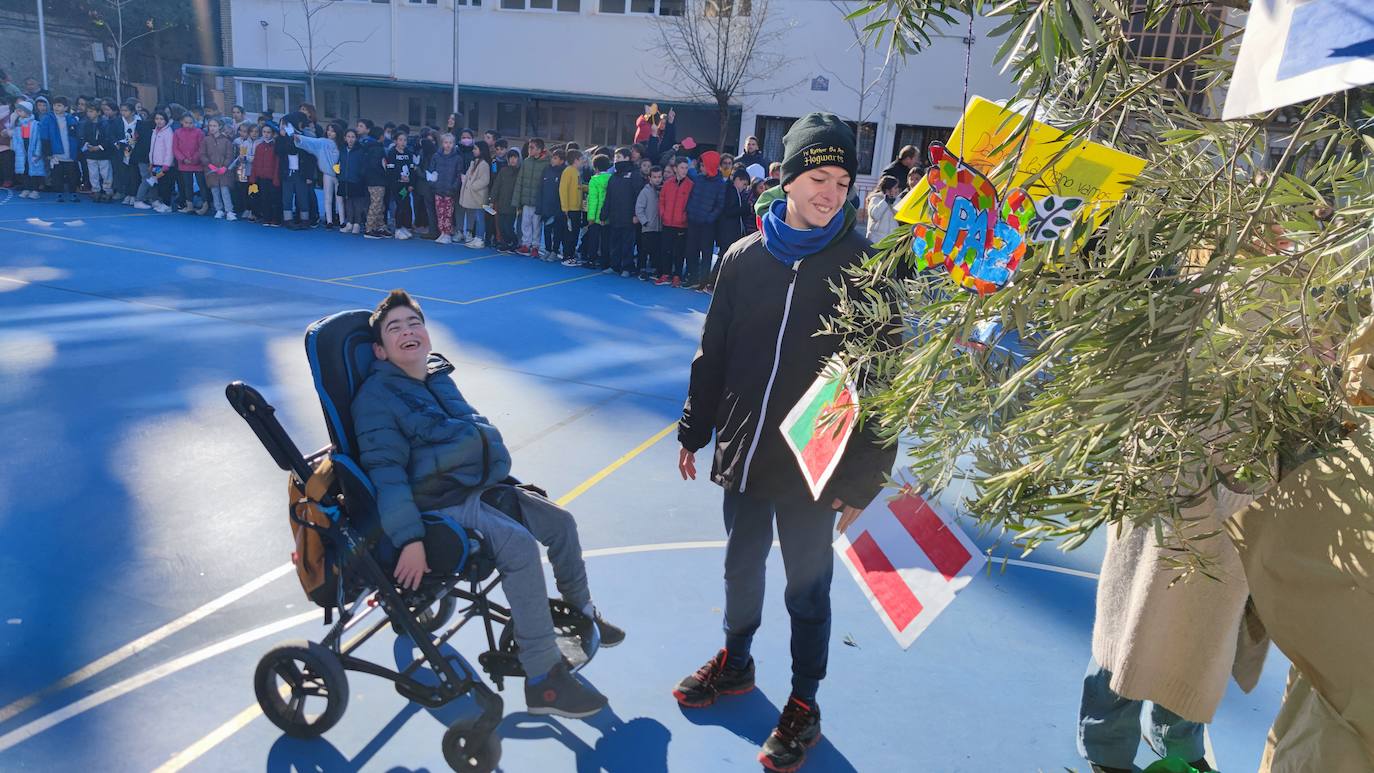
x: 57, y: 131
x: 622, y: 191
x: 759, y: 354
x: 526, y: 196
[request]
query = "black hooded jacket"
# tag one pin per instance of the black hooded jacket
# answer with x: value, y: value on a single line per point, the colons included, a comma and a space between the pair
x: 621, y: 192
x: 759, y: 354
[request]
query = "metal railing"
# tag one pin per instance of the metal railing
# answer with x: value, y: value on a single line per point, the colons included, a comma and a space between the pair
x: 105, y: 88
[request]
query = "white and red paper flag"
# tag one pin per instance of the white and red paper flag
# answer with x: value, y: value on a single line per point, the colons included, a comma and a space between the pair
x: 910, y: 558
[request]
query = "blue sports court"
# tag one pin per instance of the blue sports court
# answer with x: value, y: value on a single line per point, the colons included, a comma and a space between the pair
x: 146, y: 547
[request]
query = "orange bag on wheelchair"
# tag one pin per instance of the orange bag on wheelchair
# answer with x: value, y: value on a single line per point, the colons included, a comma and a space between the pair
x: 317, y: 565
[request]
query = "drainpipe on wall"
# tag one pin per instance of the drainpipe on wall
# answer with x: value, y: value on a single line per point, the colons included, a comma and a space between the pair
x: 392, y: 56
x: 455, y: 58
x: 43, y: 45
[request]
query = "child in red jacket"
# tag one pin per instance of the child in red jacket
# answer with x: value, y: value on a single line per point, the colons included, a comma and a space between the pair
x: 672, y: 207
x: 186, y: 142
x: 267, y: 177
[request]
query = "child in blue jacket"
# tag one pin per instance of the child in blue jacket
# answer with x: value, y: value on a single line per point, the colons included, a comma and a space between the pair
x: 57, y: 131
x: 433, y: 460
x: 29, y: 165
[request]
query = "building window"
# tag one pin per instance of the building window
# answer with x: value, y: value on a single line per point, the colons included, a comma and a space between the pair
x: 469, y: 114
x: 424, y: 2
x: 508, y: 119
x: 770, y: 129
x: 422, y: 111
x: 727, y: 8
x: 563, y: 125
x: 565, y: 6
x: 660, y: 7
x: 260, y: 96
x: 536, y: 121
x: 338, y: 103
x: 610, y: 127
x: 1175, y: 36
x: 920, y: 138
x: 866, y: 135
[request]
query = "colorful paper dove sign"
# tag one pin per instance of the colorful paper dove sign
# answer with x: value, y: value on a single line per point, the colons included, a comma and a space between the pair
x: 977, y: 237
x: 1076, y: 181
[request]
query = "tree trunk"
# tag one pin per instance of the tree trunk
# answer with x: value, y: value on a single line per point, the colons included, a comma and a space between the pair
x: 119, y: 54
x: 723, y: 107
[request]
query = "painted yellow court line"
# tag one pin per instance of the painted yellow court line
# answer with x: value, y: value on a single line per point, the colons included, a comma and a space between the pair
x: 461, y: 262
x: 242, y: 719
x: 286, y: 275
x: 214, y: 738
x: 613, y: 466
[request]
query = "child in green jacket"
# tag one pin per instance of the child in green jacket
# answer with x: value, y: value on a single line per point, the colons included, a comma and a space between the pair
x: 593, y: 253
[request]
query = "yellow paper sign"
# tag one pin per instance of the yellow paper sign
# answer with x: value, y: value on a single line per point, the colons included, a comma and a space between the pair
x: 1090, y: 172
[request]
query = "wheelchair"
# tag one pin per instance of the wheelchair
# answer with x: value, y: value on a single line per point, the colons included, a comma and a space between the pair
x: 339, y: 348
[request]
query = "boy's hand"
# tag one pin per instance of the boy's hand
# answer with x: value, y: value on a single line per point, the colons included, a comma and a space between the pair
x: 411, y: 567
x: 848, y: 515
x: 687, y: 464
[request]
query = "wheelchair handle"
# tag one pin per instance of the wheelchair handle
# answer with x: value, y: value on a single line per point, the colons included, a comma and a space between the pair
x: 249, y: 404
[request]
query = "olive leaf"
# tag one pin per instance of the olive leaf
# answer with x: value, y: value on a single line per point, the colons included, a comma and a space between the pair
x: 1053, y: 215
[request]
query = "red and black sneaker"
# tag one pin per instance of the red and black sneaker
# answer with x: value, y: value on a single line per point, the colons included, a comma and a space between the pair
x: 798, y: 729
x: 714, y: 680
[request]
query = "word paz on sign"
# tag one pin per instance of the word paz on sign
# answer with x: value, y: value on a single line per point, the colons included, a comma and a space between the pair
x: 979, y: 238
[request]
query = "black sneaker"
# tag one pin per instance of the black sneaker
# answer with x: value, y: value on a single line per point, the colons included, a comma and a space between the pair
x: 799, y: 728
x: 561, y: 694
x: 611, y: 635
x: 714, y: 680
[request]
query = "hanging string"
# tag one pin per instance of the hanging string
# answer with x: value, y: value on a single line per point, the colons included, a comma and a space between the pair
x: 968, y: 66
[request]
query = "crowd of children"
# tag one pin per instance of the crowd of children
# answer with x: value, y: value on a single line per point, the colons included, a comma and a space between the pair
x: 657, y: 209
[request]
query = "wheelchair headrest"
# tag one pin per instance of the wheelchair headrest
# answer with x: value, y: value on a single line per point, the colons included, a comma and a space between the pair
x: 339, y: 348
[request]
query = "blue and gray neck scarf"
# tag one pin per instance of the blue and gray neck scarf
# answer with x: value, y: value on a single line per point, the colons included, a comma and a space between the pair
x: 789, y: 245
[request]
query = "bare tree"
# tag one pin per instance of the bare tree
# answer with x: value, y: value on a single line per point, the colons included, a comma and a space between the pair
x: 314, y: 64
x: 719, y: 50
x: 121, y: 39
x: 876, y: 71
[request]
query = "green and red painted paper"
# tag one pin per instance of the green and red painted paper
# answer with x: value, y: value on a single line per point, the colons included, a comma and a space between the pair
x: 818, y: 427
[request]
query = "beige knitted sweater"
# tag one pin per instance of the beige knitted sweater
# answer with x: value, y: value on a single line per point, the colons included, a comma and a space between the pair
x: 1176, y: 646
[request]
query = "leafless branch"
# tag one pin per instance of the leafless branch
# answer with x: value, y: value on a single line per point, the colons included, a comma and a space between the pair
x: 712, y: 53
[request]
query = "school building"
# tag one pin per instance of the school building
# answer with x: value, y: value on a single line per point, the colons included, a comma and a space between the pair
x: 581, y: 70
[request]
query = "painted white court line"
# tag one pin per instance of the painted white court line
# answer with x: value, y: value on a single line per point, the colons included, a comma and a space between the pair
x: 993, y: 562
x: 118, y: 689
x: 195, y: 751
x: 141, y: 643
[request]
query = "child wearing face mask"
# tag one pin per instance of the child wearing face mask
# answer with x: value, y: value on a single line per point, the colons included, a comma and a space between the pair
x: 882, y: 209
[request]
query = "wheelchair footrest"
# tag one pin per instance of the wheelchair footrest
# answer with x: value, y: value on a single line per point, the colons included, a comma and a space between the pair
x: 501, y: 664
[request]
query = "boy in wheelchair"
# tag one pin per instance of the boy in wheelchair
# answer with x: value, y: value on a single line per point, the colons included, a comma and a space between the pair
x: 426, y: 449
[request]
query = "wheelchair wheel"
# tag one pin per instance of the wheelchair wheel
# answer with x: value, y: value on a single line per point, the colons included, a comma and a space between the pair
x: 301, y: 686
x: 437, y: 616
x: 471, y: 751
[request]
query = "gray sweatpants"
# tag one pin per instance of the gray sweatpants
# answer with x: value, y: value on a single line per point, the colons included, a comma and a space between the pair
x: 517, y: 558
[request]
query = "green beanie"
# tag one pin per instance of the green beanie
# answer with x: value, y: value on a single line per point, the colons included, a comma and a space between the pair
x: 816, y: 140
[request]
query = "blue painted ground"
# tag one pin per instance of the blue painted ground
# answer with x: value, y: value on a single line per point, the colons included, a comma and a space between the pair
x: 130, y: 494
